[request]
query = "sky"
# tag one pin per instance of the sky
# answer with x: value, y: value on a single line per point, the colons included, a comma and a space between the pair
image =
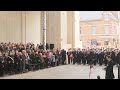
x: 85, y: 15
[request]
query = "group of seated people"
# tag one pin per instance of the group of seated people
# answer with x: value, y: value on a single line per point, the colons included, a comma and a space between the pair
x: 18, y: 58
x: 93, y: 56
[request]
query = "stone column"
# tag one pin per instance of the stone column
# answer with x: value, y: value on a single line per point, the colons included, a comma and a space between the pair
x: 76, y: 29
x: 23, y: 26
x: 63, y: 30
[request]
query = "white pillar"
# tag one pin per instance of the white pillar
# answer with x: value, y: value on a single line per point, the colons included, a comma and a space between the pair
x: 77, y: 29
x: 119, y: 27
x: 63, y: 30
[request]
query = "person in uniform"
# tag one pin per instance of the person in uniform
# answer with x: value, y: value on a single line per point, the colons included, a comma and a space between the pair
x: 84, y: 57
x: 88, y: 57
x: 113, y: 56
x: 94, y: 58
x: 101, y: 57
x: 105, y: 60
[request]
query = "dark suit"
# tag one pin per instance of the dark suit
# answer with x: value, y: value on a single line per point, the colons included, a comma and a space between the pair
x: 84, y: 58
x: 118, y: 58
x: 101, y: 57
x: 109, y: 71
x: 79, y: 57
x: 68, y: 54
x: 94, y: 58
x: 1, y: 66
x: 10, y: 64
x: 17, y: 64
x: 63, y: 54
x: 113, y: 57
x: 89, y: 58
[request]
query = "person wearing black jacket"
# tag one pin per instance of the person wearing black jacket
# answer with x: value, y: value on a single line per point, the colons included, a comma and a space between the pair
x: 79, y: 57
x: 75, y: 57
x: 1, y: 65
x: 109, y: 69
x: 63, y: 55
x: 94, y: 57
x: 118, y: 57
x: 113, y: 57
x: 84, y: 58
x: 101, y: 57
x: 17, y: 62
x: 68, y: 55
x: 10, y: 63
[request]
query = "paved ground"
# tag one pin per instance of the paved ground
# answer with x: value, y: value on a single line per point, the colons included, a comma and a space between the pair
x: 64, y: 72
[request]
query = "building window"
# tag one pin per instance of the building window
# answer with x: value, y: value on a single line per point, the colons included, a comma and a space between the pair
x: 93, y: 29
x: 107, y: 28
x: 106, y: 17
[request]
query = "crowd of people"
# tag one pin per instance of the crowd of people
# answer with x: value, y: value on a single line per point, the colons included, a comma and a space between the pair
x: 107, y: 57
x: 93, y: 56
x: 18, y: 58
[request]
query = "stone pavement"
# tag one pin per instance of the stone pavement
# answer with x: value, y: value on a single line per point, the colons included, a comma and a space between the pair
x: 65, y: 72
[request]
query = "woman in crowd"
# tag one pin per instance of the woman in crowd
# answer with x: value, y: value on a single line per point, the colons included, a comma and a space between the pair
x: 16, y: 58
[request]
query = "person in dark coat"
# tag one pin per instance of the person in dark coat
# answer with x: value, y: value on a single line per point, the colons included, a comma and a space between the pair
x: 84, y: 58
x: 105, y: 60
x: 74, y: 57
x: 63, y: 55
x: 16, y: 62
x: 5, y: 63
x: 94, y: 58
x: 109, y: 68
x: 79, y: 57
x: 20, y: 63
x: 118, y: 57
x: 88, y: 57
x: 68, y: 55
x: 10, y: 63
x: 1, y: 65
x: 113, y: 56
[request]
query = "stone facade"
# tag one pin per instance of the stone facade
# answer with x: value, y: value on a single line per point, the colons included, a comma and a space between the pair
x: 102, y: 32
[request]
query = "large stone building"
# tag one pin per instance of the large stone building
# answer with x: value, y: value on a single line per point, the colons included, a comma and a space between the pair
x: 62, y: 27
x: 101, y: 30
